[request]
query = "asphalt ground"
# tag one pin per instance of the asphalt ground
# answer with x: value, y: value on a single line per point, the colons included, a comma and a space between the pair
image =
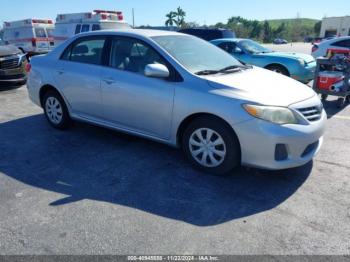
x: 90, y: 190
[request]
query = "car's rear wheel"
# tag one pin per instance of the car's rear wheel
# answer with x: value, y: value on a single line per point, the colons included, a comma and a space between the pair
x: 56, y: 110
x: 211, y: 146
x: 278, y: 69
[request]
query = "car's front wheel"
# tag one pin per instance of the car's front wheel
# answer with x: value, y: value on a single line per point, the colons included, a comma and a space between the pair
x: 211, y: 146
x: 278, y: 69
x: 55, y: 110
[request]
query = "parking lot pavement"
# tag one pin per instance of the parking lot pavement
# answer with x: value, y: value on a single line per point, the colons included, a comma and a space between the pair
x: 89, y: 190
x: 304, y: 48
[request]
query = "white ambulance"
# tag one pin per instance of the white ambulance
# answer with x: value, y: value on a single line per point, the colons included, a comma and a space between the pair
x: 68, y: 25
x: 32, y: 36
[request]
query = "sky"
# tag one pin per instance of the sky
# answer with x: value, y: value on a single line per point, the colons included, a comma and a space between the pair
x: 152, y: 12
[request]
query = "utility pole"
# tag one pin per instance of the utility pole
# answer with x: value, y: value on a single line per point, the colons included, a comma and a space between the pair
x: 133, y: 18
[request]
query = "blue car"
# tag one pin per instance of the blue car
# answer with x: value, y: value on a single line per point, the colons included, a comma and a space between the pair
x: 301, y: 67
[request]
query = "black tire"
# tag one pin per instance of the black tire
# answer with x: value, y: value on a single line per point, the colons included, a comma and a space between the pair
x: 341, y: 102
x: 63, y: 121
x: 324, y: 97
x: 232, y: 158
x: 278, y: 69
x: 347, y: 99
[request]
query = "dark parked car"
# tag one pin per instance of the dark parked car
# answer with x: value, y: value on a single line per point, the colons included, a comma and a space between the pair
x: 12, y: 65
x: 209, y: 33
x: 280, y: 41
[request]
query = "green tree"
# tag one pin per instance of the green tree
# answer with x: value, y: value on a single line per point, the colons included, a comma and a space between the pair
x: 170, y: 19
x: 267, y: 32
x: 180, y: 17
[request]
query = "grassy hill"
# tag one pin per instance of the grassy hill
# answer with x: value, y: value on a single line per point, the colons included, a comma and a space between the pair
x: 305, y: 22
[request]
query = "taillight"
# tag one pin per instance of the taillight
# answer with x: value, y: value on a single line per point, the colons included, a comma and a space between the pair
x: 120, y: 17
x: 28, y: 67
x: 314, y: 48
x: 104, y: 17
x: 33, y: 42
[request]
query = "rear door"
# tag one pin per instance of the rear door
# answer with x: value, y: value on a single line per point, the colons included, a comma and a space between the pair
x: 42, y: 43
x: 78, y: 74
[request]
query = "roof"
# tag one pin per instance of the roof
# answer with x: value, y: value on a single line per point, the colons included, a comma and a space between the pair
x: 235, y: 40
x: 136, y: 32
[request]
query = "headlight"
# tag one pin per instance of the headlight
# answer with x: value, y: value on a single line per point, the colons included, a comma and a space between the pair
x: 277, y: 115
x: 301, y: 62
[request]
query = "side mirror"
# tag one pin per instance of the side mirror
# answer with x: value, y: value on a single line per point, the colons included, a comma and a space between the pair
x: 156, y: 70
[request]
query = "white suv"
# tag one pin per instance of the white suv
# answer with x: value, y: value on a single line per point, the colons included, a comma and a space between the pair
x: 339, y: 43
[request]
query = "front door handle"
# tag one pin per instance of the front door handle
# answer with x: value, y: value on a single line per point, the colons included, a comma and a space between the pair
x: 60, y: 71
x: 108, y: 81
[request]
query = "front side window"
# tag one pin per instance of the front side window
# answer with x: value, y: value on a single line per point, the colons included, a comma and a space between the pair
x: 132, y: 55
x: 85, y: 28
x: 86, y: 51
x: 49, y: 32
x: 77, y: 29
x: 195, y: 54
x: 40, y: 32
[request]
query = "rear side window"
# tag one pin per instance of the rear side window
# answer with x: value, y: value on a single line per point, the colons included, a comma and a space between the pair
x: 78, y: 29
x: 343, y: 43
x: 88, y: 51
x: 95, y: 27
x: 85, y: 28
x: 40, y: 32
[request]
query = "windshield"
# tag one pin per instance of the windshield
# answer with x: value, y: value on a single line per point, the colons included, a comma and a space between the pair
x: 196, y: 54
x: 253, y: 47
x: 40, y: 32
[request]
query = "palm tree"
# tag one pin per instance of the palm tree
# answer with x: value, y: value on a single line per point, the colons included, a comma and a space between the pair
x: 180, y: 14
x: 170, y: 19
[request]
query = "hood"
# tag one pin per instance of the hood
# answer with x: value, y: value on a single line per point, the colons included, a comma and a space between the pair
x: 260, y: 86
x: 8, y: 50
x: 305, y: 57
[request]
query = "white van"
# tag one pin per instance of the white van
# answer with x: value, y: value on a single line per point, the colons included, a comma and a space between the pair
x: 32, y: 36
x: 68, y: 25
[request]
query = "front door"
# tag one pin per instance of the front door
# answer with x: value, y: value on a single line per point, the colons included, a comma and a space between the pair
x: 131, y: 100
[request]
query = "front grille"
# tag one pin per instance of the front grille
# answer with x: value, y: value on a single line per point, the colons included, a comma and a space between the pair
x: 9, y: 63
x: 311, y: 113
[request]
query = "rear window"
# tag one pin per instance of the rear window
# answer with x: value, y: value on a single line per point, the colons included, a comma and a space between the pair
x: 343, y: 43
x: 40, y: 32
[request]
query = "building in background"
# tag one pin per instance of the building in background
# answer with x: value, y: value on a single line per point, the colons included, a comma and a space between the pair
x: 335, y: 26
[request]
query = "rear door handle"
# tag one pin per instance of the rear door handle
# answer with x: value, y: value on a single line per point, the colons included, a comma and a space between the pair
x: 108, y: 81
x: 60, y: 71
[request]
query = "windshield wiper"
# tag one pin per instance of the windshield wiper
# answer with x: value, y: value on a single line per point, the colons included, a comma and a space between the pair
x: 207, y: 72
x: 234, y: 67
x: 227, y: 69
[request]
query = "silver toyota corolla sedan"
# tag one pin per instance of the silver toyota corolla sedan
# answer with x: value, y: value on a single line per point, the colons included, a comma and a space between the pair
x: 183, y: 91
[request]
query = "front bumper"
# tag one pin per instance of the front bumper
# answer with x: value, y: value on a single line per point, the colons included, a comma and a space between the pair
x: 305, y: 74
x: 258, y: 140
x: 13, y: 76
